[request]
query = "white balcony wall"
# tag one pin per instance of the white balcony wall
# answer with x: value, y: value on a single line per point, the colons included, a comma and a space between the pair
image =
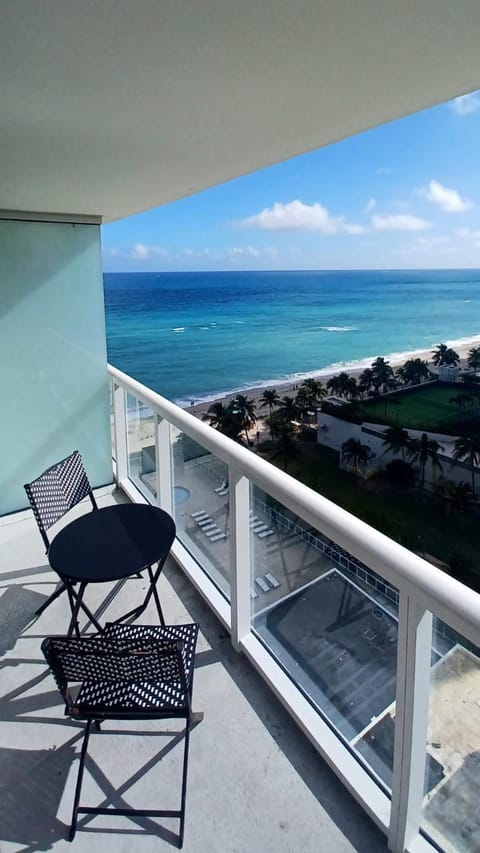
x: 53, y: 383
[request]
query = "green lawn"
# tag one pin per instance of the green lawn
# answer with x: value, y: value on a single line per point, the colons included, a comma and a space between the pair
x: 428, y: 409
x: 421, y: 524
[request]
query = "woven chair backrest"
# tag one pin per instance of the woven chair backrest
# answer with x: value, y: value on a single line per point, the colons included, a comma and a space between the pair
x: 57, y: 490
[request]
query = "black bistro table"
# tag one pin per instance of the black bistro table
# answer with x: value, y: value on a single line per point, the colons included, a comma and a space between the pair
x: 111, y: 544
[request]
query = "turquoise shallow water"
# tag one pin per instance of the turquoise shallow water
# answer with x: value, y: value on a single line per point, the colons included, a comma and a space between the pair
x: 193, y: 336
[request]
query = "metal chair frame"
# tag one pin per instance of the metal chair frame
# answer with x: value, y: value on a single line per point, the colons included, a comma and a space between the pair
x: 127, y: 672
x: 51, y: 496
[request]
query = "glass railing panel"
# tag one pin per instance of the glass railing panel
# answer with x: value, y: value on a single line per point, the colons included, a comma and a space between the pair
x: 450, y: 813
x: 142, y: 462
x: 201, y: 507
x: 331, y: 623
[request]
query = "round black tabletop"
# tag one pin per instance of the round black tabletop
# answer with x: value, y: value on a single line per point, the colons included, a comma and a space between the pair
x: 112, y: 543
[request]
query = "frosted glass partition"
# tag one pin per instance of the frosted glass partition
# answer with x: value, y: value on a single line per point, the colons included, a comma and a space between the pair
x: 53, y: 383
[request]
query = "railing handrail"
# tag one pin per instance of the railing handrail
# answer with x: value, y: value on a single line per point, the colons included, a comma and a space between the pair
x: 447, y: 598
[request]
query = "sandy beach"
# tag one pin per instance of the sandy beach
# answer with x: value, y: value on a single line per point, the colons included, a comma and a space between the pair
x: 290, y: 388
x: 141, y: 431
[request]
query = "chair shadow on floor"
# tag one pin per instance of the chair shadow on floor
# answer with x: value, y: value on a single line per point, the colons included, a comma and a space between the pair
x: 31, y: 787
x: 17, y: 609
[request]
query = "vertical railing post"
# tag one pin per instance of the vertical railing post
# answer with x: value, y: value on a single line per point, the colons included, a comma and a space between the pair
x: 411, y: 722
x: 120, y: 429
x: 239, y: 488
x: 163, y: 456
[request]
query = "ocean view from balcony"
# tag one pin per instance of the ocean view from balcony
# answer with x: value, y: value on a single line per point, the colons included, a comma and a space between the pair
x: 198, y: 335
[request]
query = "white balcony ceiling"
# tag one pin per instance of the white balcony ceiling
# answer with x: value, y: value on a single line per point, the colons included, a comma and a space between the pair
x: 117, y: 106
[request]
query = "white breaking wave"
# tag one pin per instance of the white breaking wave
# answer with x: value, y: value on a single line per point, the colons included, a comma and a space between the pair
x: 179, y: 329
x: 339, y: 328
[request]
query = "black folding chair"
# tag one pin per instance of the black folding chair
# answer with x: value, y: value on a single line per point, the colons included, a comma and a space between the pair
x: 127, y: 672
x: 52, y: 495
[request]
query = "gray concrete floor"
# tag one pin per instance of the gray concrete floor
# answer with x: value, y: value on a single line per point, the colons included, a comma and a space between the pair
x: 255, y: 782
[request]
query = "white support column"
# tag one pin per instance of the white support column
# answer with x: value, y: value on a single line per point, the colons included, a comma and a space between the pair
x: 163, y: 456
x: 120, y: 429
x: 240, y: 559
x: 411, y: 722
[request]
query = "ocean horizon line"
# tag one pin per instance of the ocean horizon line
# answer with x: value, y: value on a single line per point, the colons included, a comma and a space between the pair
x: 293, y: 271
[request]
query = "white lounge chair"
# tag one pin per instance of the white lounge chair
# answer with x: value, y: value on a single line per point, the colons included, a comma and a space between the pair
x: 265, y: 533
x: 217, y: 537
x: 263, y: 585
x: 258, y: 526
x: 212, y: 533
x: 199, y: 514
x: 204, y: 521
x: 209, y: 527
x: 272, y: 580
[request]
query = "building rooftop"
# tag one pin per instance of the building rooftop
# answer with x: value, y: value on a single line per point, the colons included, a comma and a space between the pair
x: 255, y: 782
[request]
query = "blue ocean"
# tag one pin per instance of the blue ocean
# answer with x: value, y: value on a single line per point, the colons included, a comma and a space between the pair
x: 195, y: 336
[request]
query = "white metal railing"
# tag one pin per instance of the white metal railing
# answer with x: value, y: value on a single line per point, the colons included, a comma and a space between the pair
x: 423, y: 591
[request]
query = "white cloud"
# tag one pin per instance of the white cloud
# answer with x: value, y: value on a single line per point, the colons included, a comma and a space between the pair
x: 428, y: 244
x: 465, y: 105
x: 140, y: 252
x: 448, y: 200
x: 370, y: 205
x: 238, y: 253
x: 467, y: 234
x: 400, y: 222
x: 297, y: 216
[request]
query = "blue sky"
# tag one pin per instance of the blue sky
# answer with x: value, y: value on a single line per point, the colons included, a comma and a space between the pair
x: 404, y: 195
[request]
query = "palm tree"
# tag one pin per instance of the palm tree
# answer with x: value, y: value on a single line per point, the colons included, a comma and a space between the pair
x: 286, y: 446
x: 314, y: 391
x: 303, y: 403
x: 224, y: 419
x: 309, y: 396
x: 245, y: 409
x: 382, y: 375
x: 423, y: 450
x: 444, y: 355
x: 271, y: 399
x: 397, y: 440
x: 351, y: 388
x: 288, y: 409
x: 344, y: 384
x: 460, y: 496
x: 414, y: 371
x: 468, y: 447
x: 473, y: 359
x: 365, y: 381
x: 334, y: 385
x: 355, y: 453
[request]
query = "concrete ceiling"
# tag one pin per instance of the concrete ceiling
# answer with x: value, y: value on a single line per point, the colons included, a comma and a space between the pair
x: 110, y: 107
